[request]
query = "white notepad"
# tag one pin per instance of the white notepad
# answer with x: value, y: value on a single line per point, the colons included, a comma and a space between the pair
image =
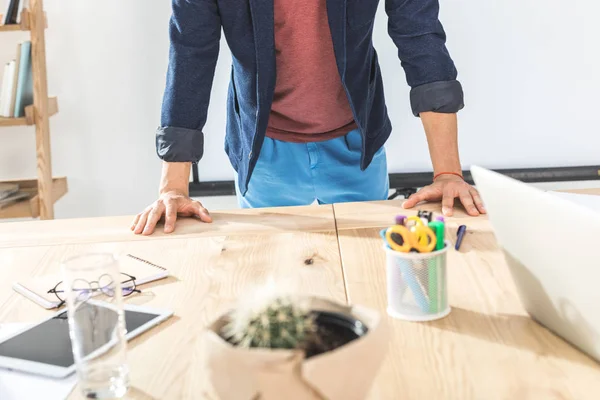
x: 36, y: 289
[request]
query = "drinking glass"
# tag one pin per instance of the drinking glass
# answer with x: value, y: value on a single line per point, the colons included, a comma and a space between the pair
x: 93, y: 287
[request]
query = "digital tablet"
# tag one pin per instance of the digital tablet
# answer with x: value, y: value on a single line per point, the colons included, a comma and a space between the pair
x: 45, y: 348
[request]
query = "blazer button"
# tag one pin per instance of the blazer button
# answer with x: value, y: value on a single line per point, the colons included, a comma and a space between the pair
x: 250, y: 155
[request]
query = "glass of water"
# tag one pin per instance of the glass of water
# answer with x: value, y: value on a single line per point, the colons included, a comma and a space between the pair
x: 93, y: 287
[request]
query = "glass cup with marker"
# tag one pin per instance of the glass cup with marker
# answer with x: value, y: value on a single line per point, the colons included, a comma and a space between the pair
x: 93, y: 288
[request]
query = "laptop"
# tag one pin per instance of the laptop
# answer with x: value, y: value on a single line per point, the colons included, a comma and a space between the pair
x: 552, y: 247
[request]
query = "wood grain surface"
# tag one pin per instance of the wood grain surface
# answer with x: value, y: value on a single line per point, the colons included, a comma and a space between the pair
x: 595, y: 191
x: 208, y: 274
x: 487, y: 348
x: 111, y: 229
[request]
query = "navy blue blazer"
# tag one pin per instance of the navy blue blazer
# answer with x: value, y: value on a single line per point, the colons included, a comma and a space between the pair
x: 195, y: 31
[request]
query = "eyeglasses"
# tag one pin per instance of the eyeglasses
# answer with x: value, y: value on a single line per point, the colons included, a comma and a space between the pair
x: 104, y: 285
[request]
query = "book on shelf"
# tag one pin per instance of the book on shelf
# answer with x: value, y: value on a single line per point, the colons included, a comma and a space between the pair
x: 22, y: 5
x: 14, y: 198
x: 24, y: 92
x: 17, y: 84
x: 8, y: 189
x: 10, y: 194
x: 12, y: 11
x: 15, y: 78
x: 7, y: 95
x: 4, y: 89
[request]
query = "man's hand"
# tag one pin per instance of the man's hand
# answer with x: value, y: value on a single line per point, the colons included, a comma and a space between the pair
x: 442, y: 136
x: 447, y: 188
x: 171, y: 204
x: 172, y: 201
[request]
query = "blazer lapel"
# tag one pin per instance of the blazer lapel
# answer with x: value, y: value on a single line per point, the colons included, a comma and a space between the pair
x: 264, y: 42
x: 336, y: 14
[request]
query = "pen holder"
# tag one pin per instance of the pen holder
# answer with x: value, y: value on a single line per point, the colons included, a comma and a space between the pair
x: 417, y: 285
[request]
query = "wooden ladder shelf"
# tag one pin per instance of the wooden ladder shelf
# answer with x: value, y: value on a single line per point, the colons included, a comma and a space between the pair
x: 45, y: 190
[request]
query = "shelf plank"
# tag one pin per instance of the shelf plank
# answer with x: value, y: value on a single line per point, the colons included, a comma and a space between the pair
x: 24, y: 25
x: 29, y: 118
x: 10, y: 28
x: 52, y: 110
x: 13, y: 121
x: 30, y: 208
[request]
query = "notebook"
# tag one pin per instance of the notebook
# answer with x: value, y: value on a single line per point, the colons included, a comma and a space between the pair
x: 36, y: 289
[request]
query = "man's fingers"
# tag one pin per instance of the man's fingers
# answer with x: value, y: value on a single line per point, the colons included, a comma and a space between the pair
x: 412, y: 200
x: 170, y: 216
x: 171, y: 205
x: 135, y: 221
x: 467, y: 200
x: 448, y: 203
x: 478, y: 201
x: 416, y: 198
x: 153, y: 218
x: 202, y: 213
x: 141, y: 222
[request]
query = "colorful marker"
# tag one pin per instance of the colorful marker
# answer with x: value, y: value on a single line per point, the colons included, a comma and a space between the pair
x: 433, y: 267
x: 460, y: 235
x: 400, y: 219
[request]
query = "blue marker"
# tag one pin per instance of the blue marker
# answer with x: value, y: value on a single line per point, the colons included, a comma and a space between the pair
x: 460, y: 235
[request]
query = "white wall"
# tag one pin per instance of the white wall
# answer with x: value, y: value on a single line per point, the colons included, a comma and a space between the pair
x: 107, y: 60
x: 530, y: 74
x: 106, y: 63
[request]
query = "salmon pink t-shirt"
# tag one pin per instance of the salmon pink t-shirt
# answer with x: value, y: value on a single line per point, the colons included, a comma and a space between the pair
x: 310, y: 103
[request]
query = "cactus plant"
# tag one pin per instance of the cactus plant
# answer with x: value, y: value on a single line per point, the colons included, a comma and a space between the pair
x: 280, y: 322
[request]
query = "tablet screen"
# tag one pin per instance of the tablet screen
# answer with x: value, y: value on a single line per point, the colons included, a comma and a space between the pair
x: 49, y: 342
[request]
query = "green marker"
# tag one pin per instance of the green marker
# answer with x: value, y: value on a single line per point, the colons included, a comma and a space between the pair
x: 438, y: 228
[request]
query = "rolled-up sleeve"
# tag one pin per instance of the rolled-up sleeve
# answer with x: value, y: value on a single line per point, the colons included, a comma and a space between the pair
x: 415, y: 28
x: 195, y: 33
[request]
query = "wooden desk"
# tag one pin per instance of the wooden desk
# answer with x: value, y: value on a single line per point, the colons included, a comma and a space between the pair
x: 210, y: 269
x: 487, y: 348
x: 111, y: 229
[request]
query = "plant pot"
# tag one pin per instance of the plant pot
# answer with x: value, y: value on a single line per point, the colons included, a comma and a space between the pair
x: 244, y: 374
x: 336, y: 330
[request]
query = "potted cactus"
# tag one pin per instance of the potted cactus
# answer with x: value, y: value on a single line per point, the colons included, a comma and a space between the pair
x: 282, y: 346
x: 288, y: 323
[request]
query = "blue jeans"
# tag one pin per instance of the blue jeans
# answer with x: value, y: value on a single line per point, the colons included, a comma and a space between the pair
x: 294, y: 174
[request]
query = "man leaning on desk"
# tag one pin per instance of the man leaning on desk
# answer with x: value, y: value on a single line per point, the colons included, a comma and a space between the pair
x: 306, y: 114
